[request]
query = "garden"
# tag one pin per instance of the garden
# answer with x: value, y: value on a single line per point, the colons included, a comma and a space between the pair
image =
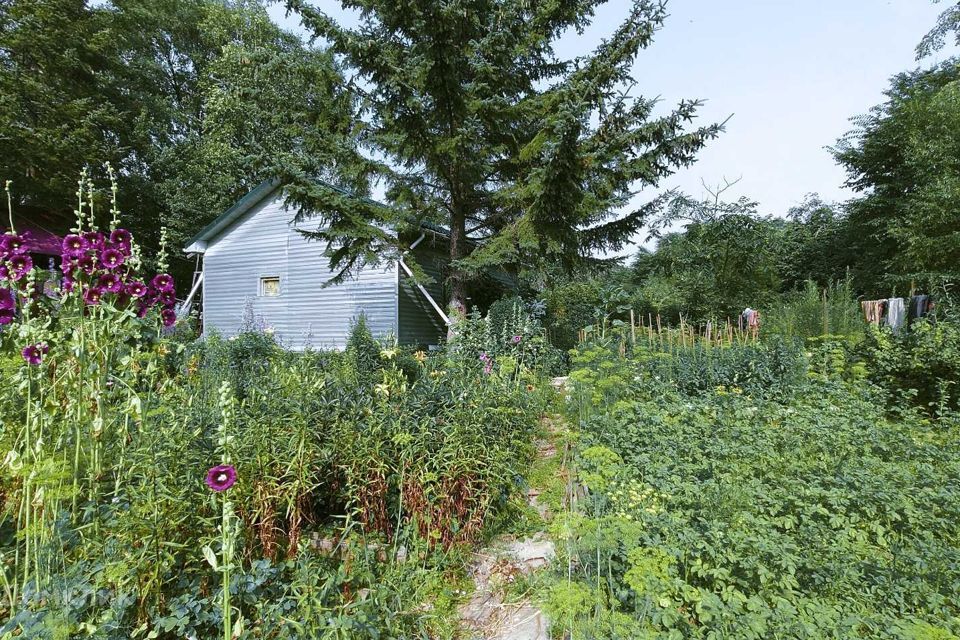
x: 764, y: 490
x: 158, y: 486
x: 649, y: 414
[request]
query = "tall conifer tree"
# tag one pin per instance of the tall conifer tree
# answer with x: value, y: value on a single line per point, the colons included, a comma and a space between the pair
x: 474, y: 121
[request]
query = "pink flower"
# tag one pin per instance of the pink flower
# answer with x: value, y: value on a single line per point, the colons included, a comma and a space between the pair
x: 20, y: 265
x: 34, y: 353
x: 85, y: 264
x: 136, y: 289
x: 12, y: 244
x: 516, y: 339
x: 221, y: 477
x: 121, y: 237
x: 111, y: 259
x: 92, y: 295
x: 74, y: 245
x: 162, y: 282
x: 110, y: 283
x: 94, y: 239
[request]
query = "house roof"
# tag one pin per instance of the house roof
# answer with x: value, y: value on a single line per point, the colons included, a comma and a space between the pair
x: 45, y: 230
x: 198, y: 244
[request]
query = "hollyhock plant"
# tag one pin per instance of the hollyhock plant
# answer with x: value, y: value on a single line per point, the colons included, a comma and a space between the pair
x: 34, y: 353
x: 94, y: 239
x: 221, y: 477
x: 86, y: 264
x: 8, y: 306
x: 110, y: 283
x: 92, y: 295
x: 121, y: 237
x: 169, y: 317
x: 111, y: 259
x: 74, y: 245
x: 136, y: 289
x: 167, y: 298
x: 20, y: 265
x: 14, y: 244
x: 162, y: 282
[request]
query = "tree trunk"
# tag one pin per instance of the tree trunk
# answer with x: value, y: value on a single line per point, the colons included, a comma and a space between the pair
x: 458, y: 250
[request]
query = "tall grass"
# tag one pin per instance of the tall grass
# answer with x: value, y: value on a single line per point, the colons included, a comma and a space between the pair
x: 813, y: 312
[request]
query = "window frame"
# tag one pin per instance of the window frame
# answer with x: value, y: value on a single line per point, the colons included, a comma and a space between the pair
x: 261, y: 289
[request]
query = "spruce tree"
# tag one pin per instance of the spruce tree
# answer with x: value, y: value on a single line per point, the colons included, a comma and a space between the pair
x: 474, y: 121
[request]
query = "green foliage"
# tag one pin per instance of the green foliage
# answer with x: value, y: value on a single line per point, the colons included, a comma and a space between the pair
x: 363, y: 353
x: 904, y: 157
x: 809, y: 514
x: 920, y: 366
x: 813, y: 312
x: 484, y: 127
x: 726, y: 259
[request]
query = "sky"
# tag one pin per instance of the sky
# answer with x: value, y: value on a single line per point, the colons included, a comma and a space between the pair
x: 788, y: 74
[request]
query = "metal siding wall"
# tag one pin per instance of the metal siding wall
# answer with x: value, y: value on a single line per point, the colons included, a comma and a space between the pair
x: 263, y: 243
x: 419, y: 323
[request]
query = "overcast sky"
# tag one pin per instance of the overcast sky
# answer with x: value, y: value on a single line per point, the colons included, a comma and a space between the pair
x: 790, y: 74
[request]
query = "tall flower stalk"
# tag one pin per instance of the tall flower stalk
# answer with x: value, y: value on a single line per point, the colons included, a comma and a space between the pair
x: 219, y: 479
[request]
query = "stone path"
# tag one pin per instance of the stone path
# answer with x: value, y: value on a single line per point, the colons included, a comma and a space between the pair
x: 487, y: 616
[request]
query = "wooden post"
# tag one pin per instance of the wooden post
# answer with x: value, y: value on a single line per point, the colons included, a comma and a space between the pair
x: 633, y: 330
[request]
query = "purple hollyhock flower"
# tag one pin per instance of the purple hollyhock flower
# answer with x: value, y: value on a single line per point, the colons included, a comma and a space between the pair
x: 68, y: 284
x: 7, y: 299
x: 86, y: 264
x: 8, y: 306
x: 221, y: 477
x: 167, y: 298
x: 13, y: 244
x: 92, y: 295
x: 74, y: 245
x: 121, y: 237
x: 516, y: 339
x: 169, y: 317
x: 94, y: 239
x: 136, y: 289
x: 162, y: 282
x: 20, y: 265
x: 111, y: 259
x: 33, y: 353
x: 110, y: 283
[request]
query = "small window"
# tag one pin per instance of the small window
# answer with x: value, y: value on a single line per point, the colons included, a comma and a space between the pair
x: 270, y: 286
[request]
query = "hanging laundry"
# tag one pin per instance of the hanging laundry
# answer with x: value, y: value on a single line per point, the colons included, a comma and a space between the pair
x: 919, y: 306
x: 896, y: 312
x: 872, y: 311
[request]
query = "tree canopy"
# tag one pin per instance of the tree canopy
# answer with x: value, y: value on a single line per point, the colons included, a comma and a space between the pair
x: 472, y: 120
x: 195, y: 101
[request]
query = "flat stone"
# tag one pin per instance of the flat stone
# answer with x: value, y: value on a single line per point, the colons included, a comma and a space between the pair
x: 522, y: 622
x: 532, y: 553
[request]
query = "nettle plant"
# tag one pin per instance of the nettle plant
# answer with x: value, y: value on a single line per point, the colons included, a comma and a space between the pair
x: 83, y: 346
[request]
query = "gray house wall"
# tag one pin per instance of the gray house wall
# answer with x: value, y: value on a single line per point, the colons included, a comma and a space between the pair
x: 263, y: 243
x: 419, y: 323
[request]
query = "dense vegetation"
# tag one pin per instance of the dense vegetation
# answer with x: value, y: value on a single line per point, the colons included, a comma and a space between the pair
x: 798, y: 481
x: 345, y: 484
x: 746, y: 491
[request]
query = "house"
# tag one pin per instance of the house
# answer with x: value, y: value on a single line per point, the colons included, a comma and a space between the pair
x: 256, y: 265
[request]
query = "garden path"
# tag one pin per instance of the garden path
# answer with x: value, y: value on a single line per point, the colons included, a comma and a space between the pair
x: 488, y: 615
